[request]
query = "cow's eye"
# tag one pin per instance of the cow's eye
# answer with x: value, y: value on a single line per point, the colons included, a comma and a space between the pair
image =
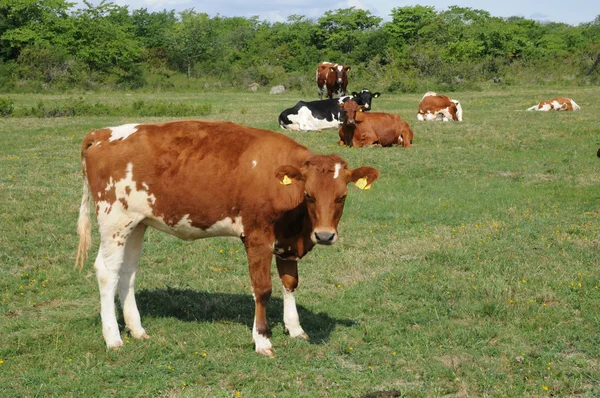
x: 308, y: 197
x: 341, y: 199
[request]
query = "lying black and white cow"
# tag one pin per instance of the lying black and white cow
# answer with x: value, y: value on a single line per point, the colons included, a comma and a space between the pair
x: 318, y: 115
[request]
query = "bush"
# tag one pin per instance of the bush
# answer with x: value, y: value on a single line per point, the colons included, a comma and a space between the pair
x: 6, y: 107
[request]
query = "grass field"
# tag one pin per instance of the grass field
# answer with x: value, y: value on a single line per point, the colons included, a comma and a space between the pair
x: 470, y: 269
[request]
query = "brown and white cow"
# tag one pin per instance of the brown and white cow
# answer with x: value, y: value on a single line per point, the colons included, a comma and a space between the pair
x: 434, y: 107
x: 361, y: 128
x: 556, y: 104
x: 333, y: 78
x: 197, y: 179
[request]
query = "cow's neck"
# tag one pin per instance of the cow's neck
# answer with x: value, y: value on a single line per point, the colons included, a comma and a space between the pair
x: 348, y: 130
x: 292, y: 232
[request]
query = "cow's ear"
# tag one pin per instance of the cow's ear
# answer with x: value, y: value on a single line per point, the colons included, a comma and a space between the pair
x: 348, y: 68
x: 288, y: 174
x: 341, y: 105
x: 375, y: 95
x: 362, y: 177
x: 331, y: 70
x: 354, y: 94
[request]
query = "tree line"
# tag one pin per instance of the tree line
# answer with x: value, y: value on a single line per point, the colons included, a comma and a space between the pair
x: 47, y: 45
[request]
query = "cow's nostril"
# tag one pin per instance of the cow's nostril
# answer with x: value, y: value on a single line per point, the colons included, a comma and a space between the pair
x: 325, y: 237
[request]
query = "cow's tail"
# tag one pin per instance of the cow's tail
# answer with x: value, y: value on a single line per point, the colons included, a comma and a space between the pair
x: 84, y: 223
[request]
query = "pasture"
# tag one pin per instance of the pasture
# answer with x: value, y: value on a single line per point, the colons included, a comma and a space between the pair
x: 471, y: 268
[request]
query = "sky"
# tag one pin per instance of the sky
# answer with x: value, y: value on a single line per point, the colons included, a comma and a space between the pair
x: 572, y: 12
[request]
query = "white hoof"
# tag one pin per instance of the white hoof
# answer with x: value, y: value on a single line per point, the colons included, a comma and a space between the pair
x: 114, y: 344
x: 139, y: 334
x: 266, y: 352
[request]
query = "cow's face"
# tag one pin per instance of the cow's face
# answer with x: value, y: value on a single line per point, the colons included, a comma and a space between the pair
x: 349, y: 110
x: 325, y: 179
x: 364, y: 98
x: 340, y: 72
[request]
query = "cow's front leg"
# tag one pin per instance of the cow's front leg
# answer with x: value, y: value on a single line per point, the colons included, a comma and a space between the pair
x: 288, y: 272
x: 259, y: 264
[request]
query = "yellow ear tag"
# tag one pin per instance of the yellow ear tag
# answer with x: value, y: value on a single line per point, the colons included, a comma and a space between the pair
x: 286, y: 180
x: 362, y: 183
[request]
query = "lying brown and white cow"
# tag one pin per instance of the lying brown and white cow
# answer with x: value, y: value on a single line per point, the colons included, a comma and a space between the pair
x: 332, y: 78
x: 556, y: 104
x: 197, y: 179
x: 372, y: 128
x: 439, y: 107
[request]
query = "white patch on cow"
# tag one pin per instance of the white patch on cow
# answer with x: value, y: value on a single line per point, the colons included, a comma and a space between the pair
x: 558, y: 106
x: 146, y: 187
x: 575, y: 106
x: 339, y: 67
x: 184, y: 229
x: 254, y: 163
x: 305, y: 121
x: 122, y: 132
x: 420, y: 117
x: 114, y: 218
x: 445, y: 114
x: 262, y: 343
x: 545, y: 107
x: 336, y: 172
x: 429, y: 94
x: 290, y: 313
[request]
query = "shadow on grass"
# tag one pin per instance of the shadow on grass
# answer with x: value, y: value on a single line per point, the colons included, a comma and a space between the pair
x: 193, y: 306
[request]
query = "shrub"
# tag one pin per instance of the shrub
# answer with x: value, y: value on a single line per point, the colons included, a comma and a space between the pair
x: 6, y: 106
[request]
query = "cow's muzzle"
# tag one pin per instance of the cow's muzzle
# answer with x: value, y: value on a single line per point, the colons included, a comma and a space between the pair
x: 324, y: 237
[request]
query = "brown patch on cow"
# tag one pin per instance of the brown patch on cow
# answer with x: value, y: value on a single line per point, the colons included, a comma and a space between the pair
x: 124, y: 203
x: 128, y: 224
x: 120, y: 243
x: 127, y: 190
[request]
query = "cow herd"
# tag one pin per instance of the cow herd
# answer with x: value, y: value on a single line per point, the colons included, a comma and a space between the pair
x: 358, y: 129
x: 195, y: 179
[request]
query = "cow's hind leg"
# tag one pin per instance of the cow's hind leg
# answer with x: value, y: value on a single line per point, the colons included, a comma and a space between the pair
x: 133, y: 249
x: 108, y: 264
x: 115, y: 229
x: 288, y: 272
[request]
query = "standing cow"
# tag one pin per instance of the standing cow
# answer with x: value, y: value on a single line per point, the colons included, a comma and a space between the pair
x: 333, y: 78
x: 436, y: 107
x: 197, y: 179
x: 360, y: 128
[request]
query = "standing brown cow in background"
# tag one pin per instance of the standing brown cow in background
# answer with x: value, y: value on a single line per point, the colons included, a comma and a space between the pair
x: 333, y: 77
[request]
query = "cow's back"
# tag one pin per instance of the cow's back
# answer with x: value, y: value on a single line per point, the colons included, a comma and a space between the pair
x: 384, y: 129
x: 196, y: 171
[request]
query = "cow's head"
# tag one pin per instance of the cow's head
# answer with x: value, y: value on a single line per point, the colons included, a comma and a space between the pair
x: 349, y: 109
x: 340, y: 72
x: 458, y: 110
x: 364, y: 98
x: 325, y: 179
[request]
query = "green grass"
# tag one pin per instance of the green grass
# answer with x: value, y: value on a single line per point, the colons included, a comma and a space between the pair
x: 470, y: 268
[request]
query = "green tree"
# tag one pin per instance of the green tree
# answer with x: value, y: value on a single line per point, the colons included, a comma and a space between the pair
x: 26, y: 23
x: 192, y: 39
x: 105, y: 37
